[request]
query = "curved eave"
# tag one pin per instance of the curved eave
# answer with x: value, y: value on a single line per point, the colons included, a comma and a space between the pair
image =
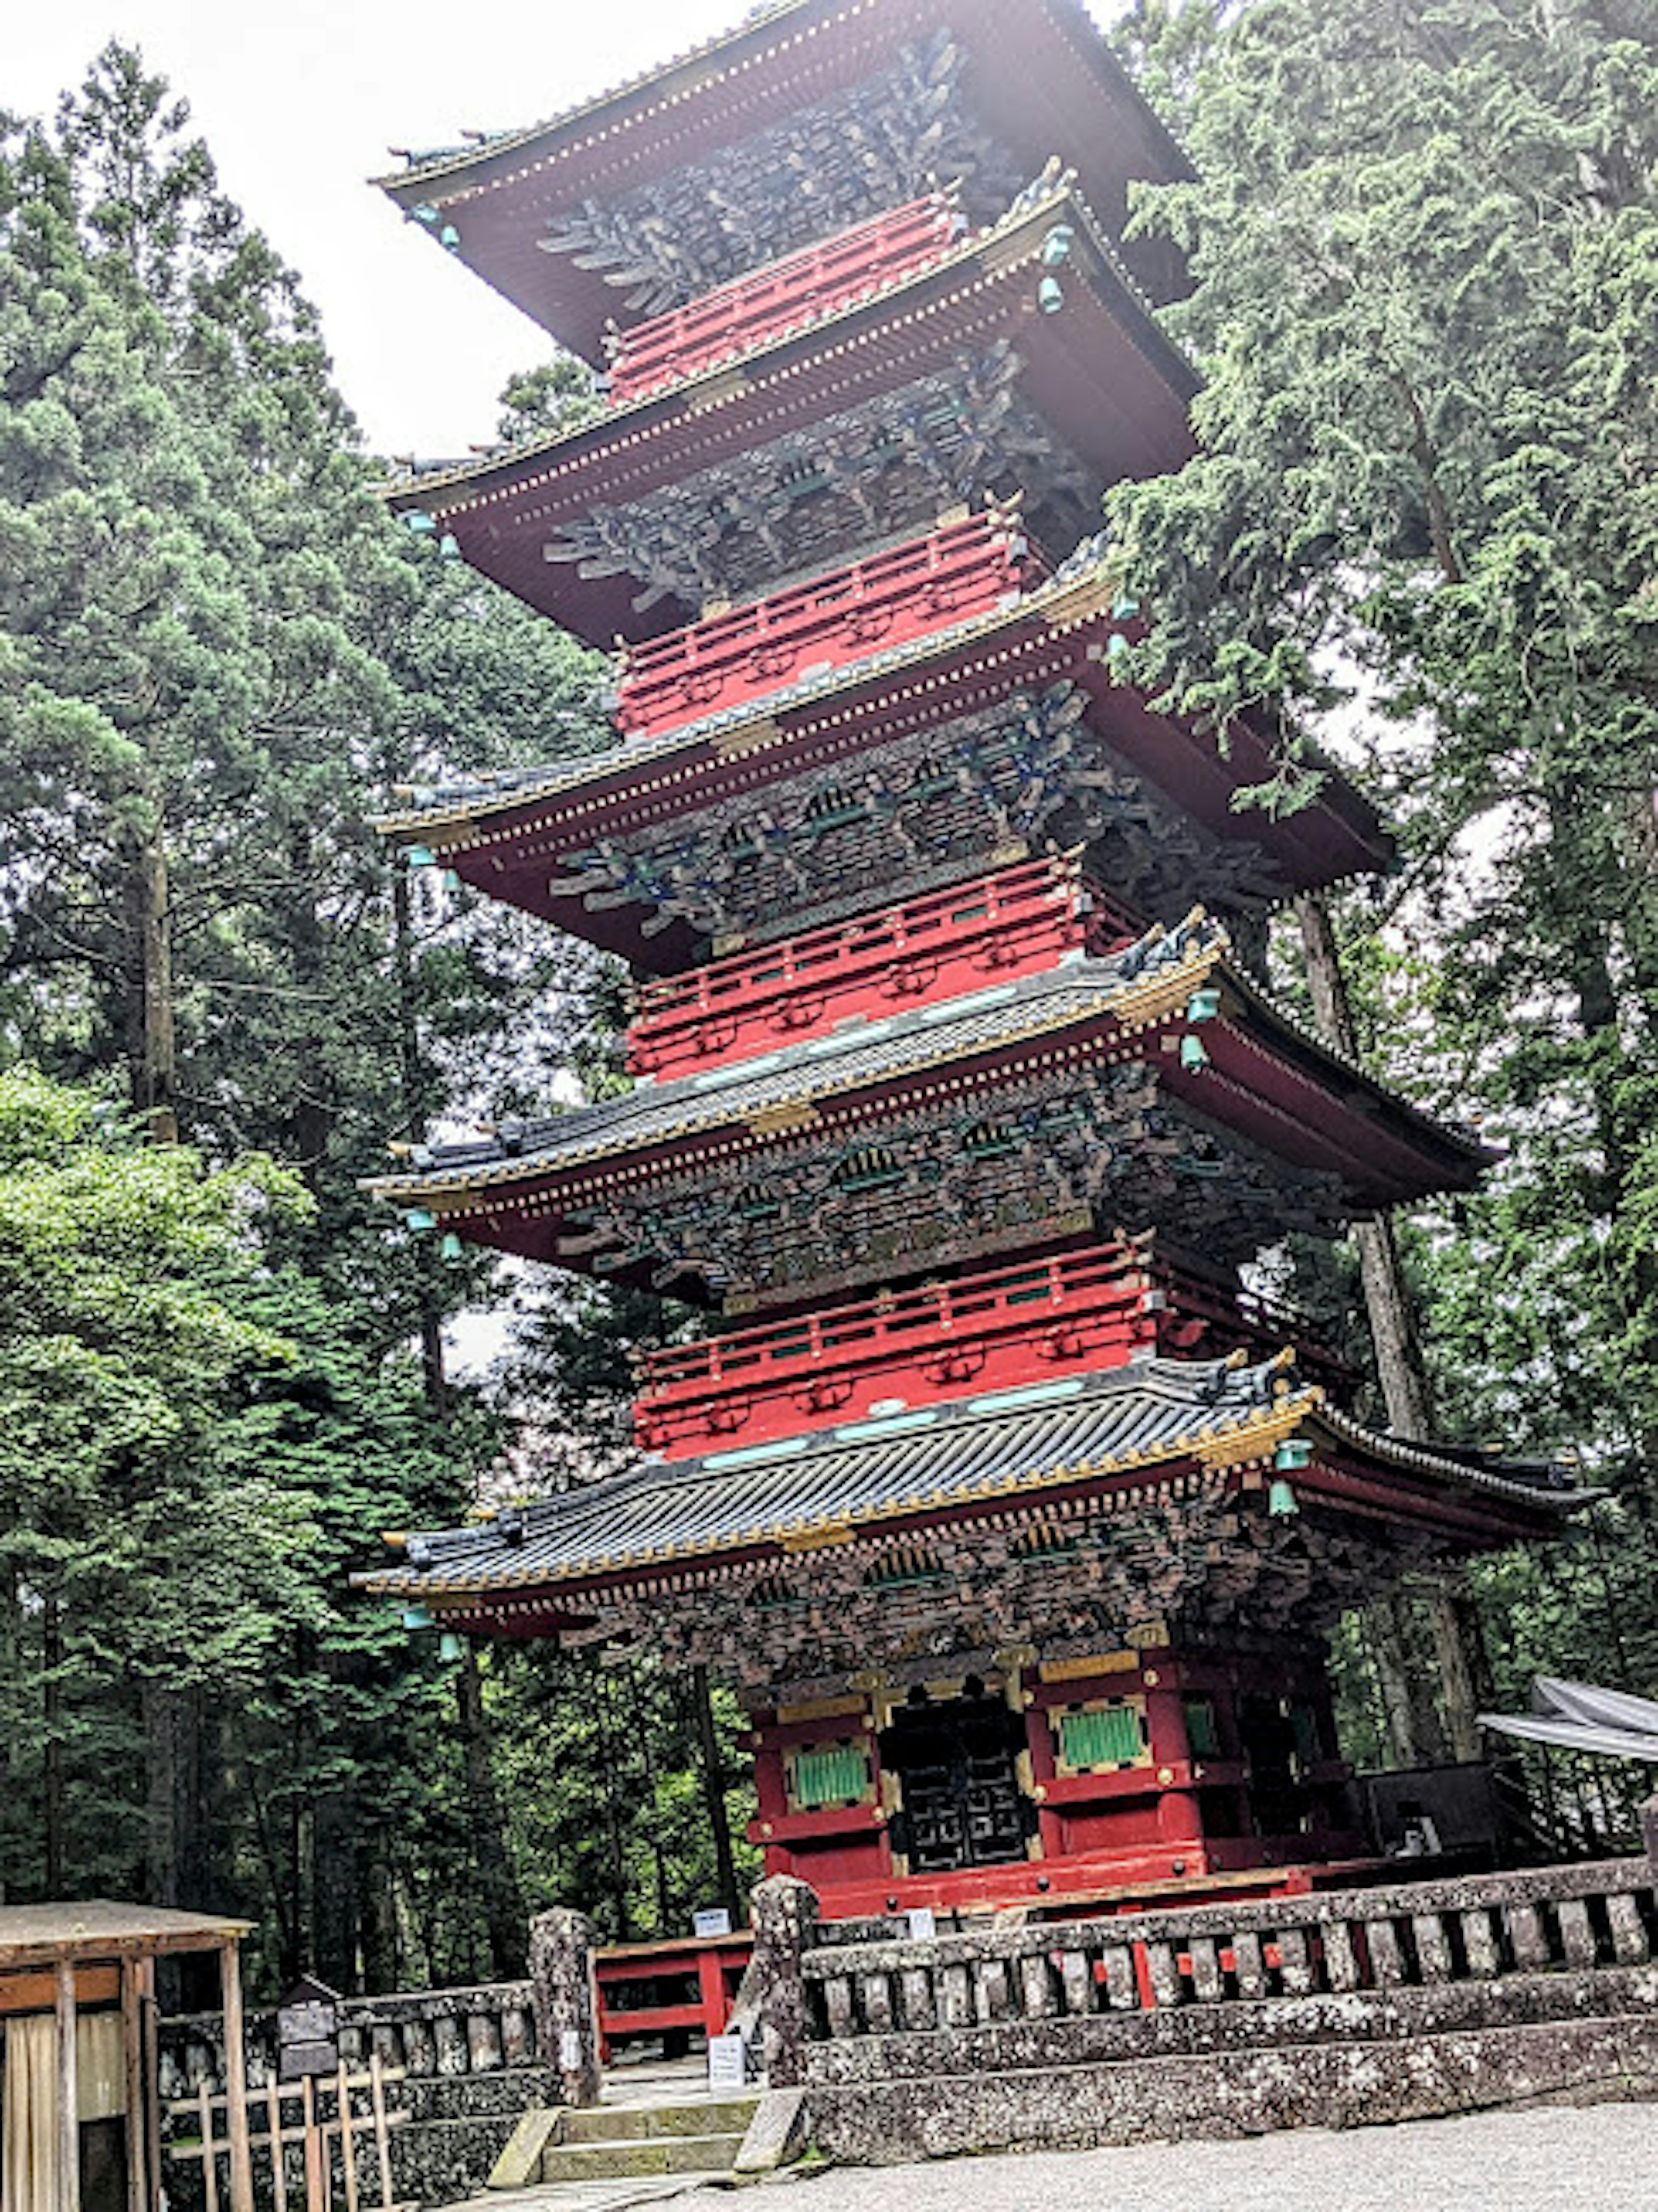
x: 504, y: 839
x: 1124, y: 414
x: 729, y: 1520
x: 502, y: 193
x: 1267, y: 1082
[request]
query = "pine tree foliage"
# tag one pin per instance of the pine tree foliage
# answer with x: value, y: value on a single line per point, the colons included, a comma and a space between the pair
x: 1425, y: 250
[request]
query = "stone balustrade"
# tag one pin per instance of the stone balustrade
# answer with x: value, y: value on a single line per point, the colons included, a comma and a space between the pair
x: 426, y: 2034
x: 1428, y: 1934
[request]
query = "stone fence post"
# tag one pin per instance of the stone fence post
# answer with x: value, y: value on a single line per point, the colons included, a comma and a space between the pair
x: 1649, y: 1823
x: 567, y: 2002
x: 785, y: 1914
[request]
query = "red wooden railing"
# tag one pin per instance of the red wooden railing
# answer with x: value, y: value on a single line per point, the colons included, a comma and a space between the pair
x: 798, y: 290
x: 995, y: 927
x: 904, y: 592
x: 678, y: 1988
x: 1073, y: 1312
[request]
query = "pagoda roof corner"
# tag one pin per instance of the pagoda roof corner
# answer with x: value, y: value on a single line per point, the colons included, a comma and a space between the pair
x: 1158, y: 1422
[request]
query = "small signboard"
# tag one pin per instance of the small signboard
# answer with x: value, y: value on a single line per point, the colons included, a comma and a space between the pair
x: 307, y: 2022
x: 569, y: 2051
x: 923, y: 1926
x: 715, y: 1921
x: 727, y: 2065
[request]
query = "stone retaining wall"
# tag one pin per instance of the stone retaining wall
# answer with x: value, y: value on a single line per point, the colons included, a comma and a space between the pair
x: 465, y: 2066
x: 1392, y: 2002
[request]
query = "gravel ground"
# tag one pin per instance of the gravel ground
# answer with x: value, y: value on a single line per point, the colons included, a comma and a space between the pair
x: 1602, y: 2158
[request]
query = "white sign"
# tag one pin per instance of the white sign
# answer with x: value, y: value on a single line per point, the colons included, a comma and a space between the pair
x: 923, y: 1926
x: 569, y: 2051
x: 726, y: 2065
x: 714, y: 1922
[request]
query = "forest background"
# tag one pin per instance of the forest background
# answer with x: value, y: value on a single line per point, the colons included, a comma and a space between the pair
x: 1423, y: 526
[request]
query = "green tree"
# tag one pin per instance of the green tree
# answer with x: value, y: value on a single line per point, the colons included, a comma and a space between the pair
x: 1425, y: 242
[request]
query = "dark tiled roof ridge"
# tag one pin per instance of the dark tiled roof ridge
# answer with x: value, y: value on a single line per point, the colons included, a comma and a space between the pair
x: 1139, y: 1418
x: 1035, y: 214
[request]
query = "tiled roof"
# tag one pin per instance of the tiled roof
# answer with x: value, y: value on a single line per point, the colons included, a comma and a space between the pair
x: 1138, y: 985
x: 1080, y: 587
x: 1012, y: 1443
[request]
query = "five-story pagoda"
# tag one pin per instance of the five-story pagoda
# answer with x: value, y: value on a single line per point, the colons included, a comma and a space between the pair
x: 1015, y: 1523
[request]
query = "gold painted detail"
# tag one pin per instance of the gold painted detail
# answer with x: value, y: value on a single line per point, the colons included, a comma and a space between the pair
x: 820, y: 1539
x: 823, y: 1709
x: 750, y: 737
x: 773, y: 1121
x: 1079, y: 1670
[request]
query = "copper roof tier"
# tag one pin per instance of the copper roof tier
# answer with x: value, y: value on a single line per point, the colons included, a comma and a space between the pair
x: 1020, y: 358
x: 806, y: 117
x: 1078, y: 1465
x: 1155, y: 1084
x: 640, y: 847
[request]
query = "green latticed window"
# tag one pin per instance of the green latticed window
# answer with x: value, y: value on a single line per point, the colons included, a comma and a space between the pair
x: 1103, y: 1735
x: 828, y: 1774
x: 1202, y: 1730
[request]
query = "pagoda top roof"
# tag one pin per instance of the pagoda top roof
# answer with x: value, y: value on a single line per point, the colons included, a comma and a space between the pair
x: 963, y: 334
x: 1150, y: 1418
x: 1069, y: 95
x: 1408, y: 1152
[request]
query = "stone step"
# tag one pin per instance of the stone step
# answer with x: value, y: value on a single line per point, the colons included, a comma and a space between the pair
x: 632, y: 2157
x: 631, y: 2123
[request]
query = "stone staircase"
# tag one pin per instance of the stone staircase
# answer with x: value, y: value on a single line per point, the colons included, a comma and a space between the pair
x: 653, y: 2136
x: 616, y: 2142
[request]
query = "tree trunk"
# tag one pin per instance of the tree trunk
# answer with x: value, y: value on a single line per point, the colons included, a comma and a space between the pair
x: 333, y: 1890
x: 714, y: 1793
x: 152, y: 1038
x: 505, y: 1918
x: 414, y: 1109
x: 1415, y: 1730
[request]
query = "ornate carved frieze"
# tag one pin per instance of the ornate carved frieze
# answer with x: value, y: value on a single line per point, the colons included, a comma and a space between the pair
x: 1000, y: 1167
x: 816, y: 172
x: 1027, y: 771
x: 818, y: 495
x: 1205, y: 1555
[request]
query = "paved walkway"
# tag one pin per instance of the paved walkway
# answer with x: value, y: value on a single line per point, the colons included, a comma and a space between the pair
x: 1601, y: 2158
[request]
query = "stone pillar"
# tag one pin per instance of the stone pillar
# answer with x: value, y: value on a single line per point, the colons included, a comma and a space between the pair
x: 785, y: 1917
x: 1649, y: 1823
x: 566, y: 2002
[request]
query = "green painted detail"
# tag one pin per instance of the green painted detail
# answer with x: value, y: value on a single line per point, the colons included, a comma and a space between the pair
x: 1192, y: 1053
x: 830, y: 1774
x: 419, y: 1219
x: 1202, y: 1730
x: 1109, y: 1737
x: 1292, y: 1455
x: 1282, y: 1503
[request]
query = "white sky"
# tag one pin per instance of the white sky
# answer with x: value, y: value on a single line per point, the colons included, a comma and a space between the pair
x: 299, y: 101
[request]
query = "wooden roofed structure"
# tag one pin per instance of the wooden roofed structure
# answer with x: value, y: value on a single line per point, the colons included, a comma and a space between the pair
x: 65, y: 1964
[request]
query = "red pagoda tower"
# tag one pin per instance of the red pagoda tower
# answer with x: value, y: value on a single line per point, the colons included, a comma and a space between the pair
x: 1014, y: 1522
